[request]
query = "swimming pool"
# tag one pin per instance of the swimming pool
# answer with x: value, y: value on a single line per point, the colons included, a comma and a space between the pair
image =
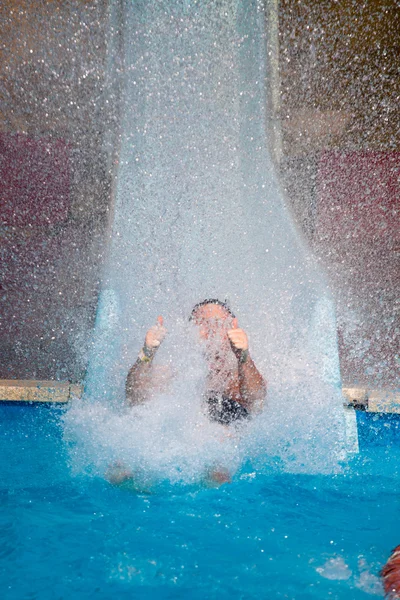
x: 263, y: 536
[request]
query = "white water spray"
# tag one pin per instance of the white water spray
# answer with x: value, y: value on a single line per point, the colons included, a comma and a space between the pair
x: 198, y: 214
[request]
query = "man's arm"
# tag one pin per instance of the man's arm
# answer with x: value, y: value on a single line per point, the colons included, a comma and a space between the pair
x: 252, y: 385
x: 139, y: 381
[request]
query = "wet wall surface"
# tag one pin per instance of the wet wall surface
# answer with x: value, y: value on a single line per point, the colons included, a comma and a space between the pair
x: 54, y: 186
x: 339, y: 114
x: 339, y: 66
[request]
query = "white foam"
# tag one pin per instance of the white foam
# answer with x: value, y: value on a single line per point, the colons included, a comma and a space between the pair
x: 198, y: 214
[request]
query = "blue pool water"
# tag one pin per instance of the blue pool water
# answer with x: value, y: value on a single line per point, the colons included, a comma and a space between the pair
x: 266, y: 535
x: 198, y: 212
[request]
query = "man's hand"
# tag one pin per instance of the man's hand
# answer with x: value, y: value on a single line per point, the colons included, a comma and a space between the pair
x: 139, y: 383
x: 155, y: 335
x: 238, y: 339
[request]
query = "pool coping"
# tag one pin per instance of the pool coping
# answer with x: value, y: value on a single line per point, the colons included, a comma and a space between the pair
x: 375, y: 400
x: 38, y: 391
x: 382, y: 400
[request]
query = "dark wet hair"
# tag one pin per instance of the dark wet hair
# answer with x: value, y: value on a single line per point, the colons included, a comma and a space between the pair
x: 211, y: 301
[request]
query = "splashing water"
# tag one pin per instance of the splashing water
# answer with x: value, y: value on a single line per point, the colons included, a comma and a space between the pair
x: 198, y: 213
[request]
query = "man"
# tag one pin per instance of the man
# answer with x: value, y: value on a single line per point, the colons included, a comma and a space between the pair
x: 391, y: 575
x: 234, y: 387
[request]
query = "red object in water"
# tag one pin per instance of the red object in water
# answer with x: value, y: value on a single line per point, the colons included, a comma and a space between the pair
x: 391, y: 575
x: 34, y: 181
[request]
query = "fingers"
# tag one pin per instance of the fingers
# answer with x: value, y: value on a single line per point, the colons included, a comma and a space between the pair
x: 236, y: 334
x: 160, y: 327
x: 238, y: 339
x: 235, y: 323
x: 156, y: 334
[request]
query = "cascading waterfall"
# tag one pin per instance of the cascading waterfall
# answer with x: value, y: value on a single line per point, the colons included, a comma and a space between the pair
x: 199, y: 214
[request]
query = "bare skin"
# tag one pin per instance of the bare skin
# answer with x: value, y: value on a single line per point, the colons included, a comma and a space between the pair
x: 143, y: 379
x: 231, y: 370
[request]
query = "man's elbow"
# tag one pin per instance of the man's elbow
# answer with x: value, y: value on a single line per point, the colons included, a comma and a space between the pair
x: 259, y: 399
x: 134, y: 395
x: 132, y: 392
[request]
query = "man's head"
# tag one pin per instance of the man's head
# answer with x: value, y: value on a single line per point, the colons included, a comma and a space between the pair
x: 212, y: 317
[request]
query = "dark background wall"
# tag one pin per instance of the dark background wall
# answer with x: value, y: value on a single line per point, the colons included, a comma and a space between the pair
x: 338, y: 118
x: 340, y: 165
x: 54, y: 183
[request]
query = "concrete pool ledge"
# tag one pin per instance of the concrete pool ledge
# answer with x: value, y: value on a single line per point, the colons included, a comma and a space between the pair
x: 60, y: 392
x: 382, y: 400
x: 22, y: 390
